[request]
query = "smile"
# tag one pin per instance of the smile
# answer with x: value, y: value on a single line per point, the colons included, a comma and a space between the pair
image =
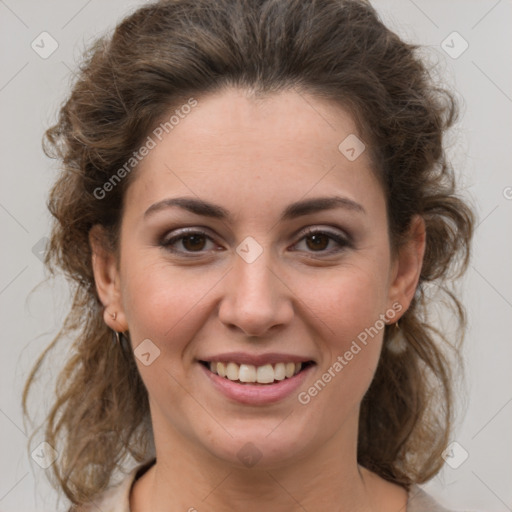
x: 251, y: 374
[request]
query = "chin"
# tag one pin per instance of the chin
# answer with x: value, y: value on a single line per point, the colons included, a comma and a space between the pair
x: 263, y: 445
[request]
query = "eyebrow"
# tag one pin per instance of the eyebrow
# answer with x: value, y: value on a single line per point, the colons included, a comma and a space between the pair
x: 292, y: 211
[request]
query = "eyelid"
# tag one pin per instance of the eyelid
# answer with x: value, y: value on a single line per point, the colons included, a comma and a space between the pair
x: 188, y: 230
x: 178, y: 234
x: 327, y: 230
x: 342, y: 239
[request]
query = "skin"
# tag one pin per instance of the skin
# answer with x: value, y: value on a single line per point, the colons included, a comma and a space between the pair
x: 254, y: 157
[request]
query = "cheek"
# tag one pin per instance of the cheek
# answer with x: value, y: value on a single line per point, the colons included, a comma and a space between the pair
x: 351, y: 302
x: 160, y: 302
x: 349, y: 309
x: 350, y: 318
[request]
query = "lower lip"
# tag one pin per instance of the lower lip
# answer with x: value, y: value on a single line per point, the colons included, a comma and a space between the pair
x: 258, y: 394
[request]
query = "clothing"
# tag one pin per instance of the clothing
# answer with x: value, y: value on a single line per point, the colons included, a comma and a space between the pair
x: 117, y: 498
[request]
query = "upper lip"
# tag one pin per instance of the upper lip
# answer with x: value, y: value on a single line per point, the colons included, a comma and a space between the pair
x: 256, y: 360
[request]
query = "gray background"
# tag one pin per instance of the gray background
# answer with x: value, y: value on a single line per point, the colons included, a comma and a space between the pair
x: 31, y: 89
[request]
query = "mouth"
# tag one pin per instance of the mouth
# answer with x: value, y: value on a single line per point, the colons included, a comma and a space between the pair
x: 248, y: 374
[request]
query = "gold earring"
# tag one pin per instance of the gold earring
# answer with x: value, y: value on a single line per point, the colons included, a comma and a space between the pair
x: 113, y: 315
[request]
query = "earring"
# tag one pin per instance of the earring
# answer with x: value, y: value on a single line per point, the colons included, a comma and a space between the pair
x: 397, y: 344
x: 120, y: 339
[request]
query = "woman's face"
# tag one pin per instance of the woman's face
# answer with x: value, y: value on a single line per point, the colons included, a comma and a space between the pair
x: 267, y: 270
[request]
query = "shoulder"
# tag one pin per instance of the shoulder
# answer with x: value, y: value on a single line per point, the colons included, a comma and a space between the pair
x: 117, y: 497
x: 420, y: 501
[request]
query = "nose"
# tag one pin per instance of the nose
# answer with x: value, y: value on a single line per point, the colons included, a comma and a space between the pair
x: 257, y: 298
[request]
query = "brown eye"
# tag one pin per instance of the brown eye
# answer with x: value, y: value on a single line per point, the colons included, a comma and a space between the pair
x: 318, y: 241
x: 193, y: 242
x: 187, y: 242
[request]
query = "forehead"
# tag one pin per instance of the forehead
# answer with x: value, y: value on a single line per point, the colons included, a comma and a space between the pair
x: 245, y: 124
x: 277, y: 147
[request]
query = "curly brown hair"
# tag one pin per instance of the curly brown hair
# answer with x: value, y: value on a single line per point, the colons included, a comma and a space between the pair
x: 170, y: 50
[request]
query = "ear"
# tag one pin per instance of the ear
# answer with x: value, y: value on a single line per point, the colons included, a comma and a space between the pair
x: 107, y: 279
x: 407, y: 265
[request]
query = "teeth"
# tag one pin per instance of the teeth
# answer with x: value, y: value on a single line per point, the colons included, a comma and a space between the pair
x: 265, y: 374
x: 279, y: 371
x: 247, y: 373
x: 232, y: 371
x: 221, y: 369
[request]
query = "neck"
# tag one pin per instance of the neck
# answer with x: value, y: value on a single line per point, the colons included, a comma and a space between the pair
x: 186, y: 477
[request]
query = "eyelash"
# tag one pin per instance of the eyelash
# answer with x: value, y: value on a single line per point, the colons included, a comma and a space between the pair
x: 342, y: 241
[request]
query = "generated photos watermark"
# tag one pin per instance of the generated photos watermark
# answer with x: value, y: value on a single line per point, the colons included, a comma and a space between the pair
x: 151, y: 142
x: 363, y: 338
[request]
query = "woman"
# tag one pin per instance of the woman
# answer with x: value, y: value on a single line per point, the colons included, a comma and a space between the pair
x: 254, y: 203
